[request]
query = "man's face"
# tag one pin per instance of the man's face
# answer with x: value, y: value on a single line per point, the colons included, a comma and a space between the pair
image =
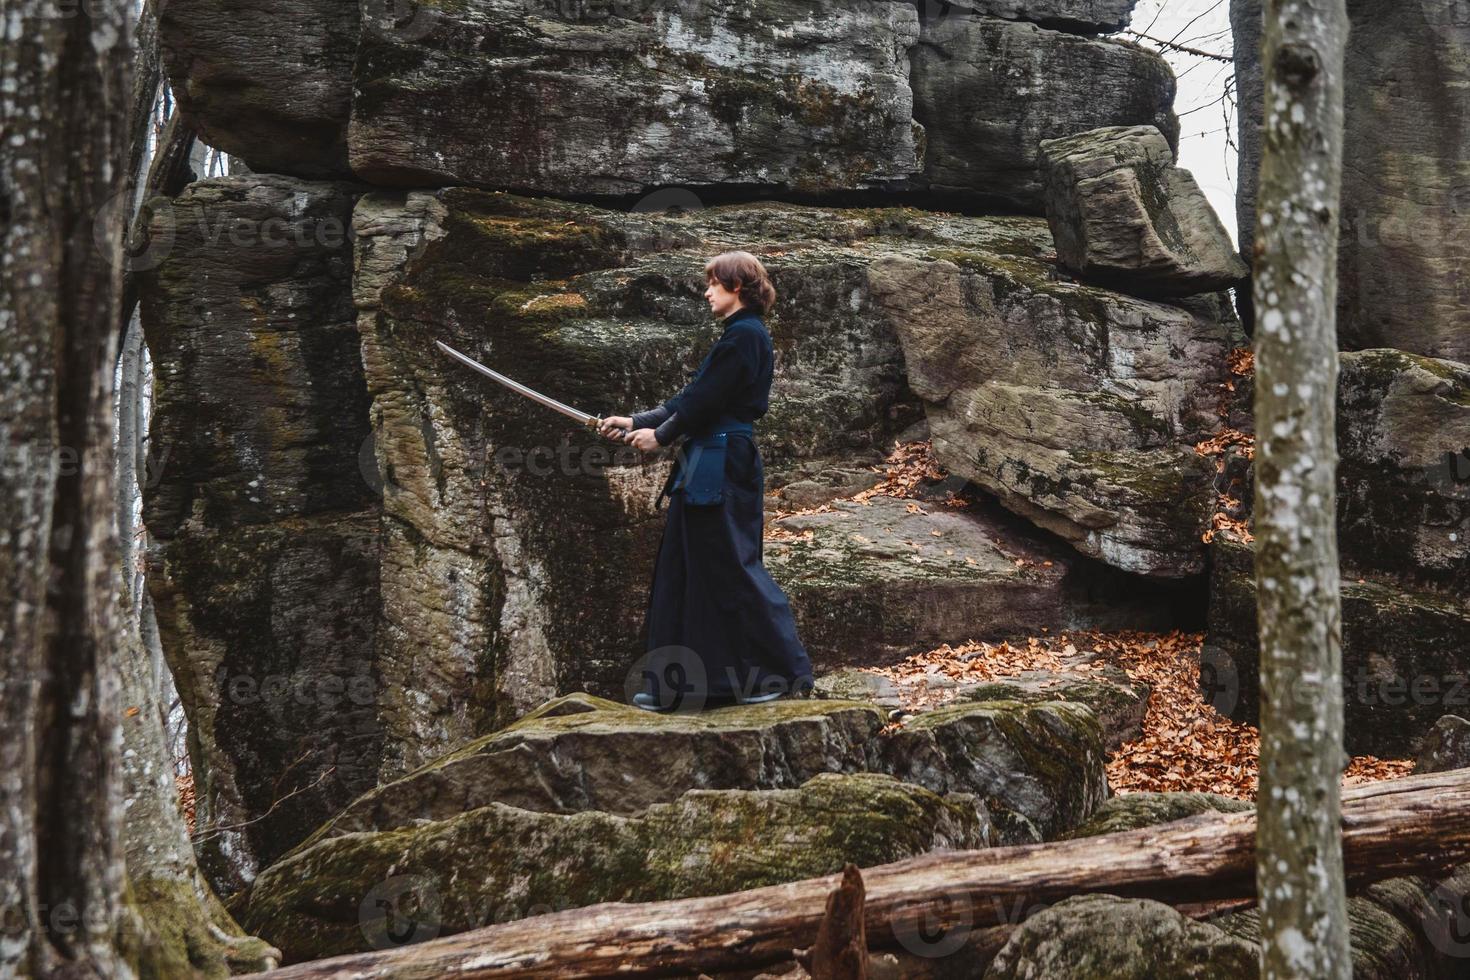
x: 722, y: 301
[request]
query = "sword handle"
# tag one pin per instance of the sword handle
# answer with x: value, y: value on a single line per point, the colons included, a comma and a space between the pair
x: 596, y: 426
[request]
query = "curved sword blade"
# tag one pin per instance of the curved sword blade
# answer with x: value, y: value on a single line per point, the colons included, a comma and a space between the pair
x: 516, y: 386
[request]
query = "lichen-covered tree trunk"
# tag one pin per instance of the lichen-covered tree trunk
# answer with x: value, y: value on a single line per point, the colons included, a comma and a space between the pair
x: 1299, y: 875
x: 64, y: 91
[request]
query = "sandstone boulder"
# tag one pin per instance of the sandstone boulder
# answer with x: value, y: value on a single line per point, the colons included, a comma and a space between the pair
x: 497, y: 862
x: 270, y: 82
x: 1078, y: 408
x: 988, y: 90
x: 1119, y: 702
x: 1039, y: 768
x: 263, y: 559
x: 884, y: 578
x: 1404, y: 467
x: 1091, y: 936
x: 588, y: 98
x: 1123, y: 215
x: 1445, y: 746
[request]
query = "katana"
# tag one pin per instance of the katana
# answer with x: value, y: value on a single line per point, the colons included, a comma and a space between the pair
x: 593, y: 422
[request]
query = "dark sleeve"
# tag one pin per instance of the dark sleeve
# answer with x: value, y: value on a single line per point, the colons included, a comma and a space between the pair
x: 667, y: 432
x: 650, y: 418
x: 732, y: 364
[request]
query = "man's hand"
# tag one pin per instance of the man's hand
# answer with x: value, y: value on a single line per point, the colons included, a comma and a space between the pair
x: 643, y: 440
x: 612, y: 422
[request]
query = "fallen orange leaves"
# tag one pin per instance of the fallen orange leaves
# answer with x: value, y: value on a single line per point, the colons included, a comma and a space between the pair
x: 1186, y: 744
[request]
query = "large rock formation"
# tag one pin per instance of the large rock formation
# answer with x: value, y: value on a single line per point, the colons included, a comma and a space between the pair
x: 270, y: 82
x: 874, y: 581
x: 587, y: 800
x: 988, y: 90
x: 1079, y: 408
x: 625, y: 98
x: 263, y: 566
x: 481, y: 590
x: 1403, y: 526
x: 556, y: 98
x: 1403, y: 257
x: 498, y: 862
x: 1123, y: 215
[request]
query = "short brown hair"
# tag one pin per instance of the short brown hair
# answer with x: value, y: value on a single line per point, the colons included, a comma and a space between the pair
x: 742, y: 272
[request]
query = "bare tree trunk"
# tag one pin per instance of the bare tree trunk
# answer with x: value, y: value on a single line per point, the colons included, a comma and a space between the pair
x: 1304, y: 929
x: 64, y: 91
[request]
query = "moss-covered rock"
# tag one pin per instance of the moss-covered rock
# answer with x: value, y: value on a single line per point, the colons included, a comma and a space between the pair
x: 1041, y: 762
x: 1401, y: 663
x: 1445, y: 746
x: 871, y: 582
x: 498, y: 862
x: 1086, y: 425
x: 1094, y: 936
x: 1131, y: 811
x: 1403, y: 477
x: 1119, y: 702
x: 263, y: 525
x: 621, y: 759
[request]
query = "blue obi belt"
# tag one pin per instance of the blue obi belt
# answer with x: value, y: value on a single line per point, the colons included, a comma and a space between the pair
x: 700, y: 467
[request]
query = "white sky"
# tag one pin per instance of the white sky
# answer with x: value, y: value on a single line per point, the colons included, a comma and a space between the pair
x: 1204, y: 149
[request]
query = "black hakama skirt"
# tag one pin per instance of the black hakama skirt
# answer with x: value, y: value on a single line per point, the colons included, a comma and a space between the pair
x: 715, y: 616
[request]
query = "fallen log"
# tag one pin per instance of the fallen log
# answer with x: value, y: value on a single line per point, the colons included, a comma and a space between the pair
x: 1416, y: 825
